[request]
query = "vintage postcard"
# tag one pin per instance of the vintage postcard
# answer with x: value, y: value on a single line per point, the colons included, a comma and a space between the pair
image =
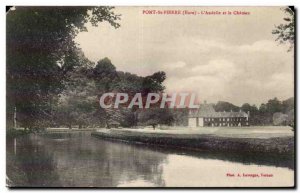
x: 112, y: 97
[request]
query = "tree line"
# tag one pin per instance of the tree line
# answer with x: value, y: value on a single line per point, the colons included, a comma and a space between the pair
x: 78, y: 104
x: 50, y: 83
x: 264, y: 114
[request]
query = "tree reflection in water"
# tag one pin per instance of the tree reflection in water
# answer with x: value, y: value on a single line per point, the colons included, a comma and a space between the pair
x: 78, y: 160
x: 31, y: 165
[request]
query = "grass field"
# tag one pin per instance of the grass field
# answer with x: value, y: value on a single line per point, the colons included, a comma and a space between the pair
x: 277, y: 140
x: 235, y: 132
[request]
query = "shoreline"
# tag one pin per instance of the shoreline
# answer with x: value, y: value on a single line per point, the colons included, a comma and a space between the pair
x: 200, y: 142
x: 66, y: 130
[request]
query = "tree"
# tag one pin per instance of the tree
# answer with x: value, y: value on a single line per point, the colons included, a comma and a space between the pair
x: 225, y: 106
x: 247, y: 107
x: 105, y: 75
x: 280, y: 118
x: 128, y: 83
x: 78, y: 101
x: 155, y: 116
x: 40, y: 52
x: 273, y: 106
x: 291, y: 118
x: 108, y: 79
x: 254, y: 118
x: 288, y: 105
x: 153, y: 83
x: 180, y: 116
x: 285, y: 32
x: 266, y: 111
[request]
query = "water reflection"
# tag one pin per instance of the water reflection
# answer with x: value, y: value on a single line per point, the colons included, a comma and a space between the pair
x: 83, y: 161
x: 30, y: 163
x: 79, y: 160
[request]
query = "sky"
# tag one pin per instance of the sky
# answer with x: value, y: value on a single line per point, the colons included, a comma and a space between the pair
x: 232, y: 58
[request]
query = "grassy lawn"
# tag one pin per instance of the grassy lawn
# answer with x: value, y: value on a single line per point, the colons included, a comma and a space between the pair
x: 277, y: 140
x: 236, y: 132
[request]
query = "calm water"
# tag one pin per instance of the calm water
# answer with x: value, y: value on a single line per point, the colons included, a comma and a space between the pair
x: 79, y: 160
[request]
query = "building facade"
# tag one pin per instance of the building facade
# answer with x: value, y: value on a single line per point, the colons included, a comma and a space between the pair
x: 206, y: 116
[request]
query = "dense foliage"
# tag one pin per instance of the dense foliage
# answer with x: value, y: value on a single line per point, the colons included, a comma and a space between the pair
x: 262, y: 115
x: 40, y: 52
x: 285, y: 32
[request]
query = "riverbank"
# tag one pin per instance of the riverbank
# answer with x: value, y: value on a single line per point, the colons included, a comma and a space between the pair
x: 273, y: 142
x: 12, y: 133
x: 64, y: 130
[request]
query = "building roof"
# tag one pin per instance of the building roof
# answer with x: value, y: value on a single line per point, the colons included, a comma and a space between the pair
x: 207, y: 110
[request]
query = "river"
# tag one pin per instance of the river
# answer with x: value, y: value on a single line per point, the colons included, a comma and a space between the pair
x: 80, y: 160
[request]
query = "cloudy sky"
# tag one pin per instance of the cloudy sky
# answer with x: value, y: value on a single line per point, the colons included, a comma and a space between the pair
x: 220, y: 57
